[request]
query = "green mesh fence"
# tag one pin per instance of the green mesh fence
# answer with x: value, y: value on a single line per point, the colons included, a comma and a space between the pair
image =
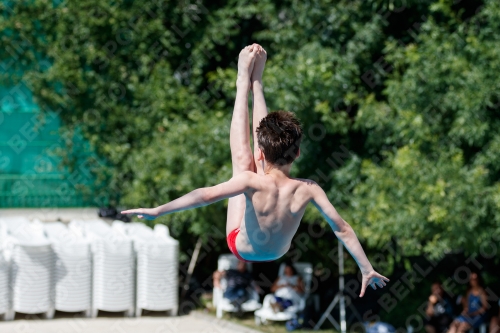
x: 30, y: 174
x: 40, y: 191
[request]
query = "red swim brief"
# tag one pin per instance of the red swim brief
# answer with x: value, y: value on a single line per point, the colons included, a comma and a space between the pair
x: 231, y: 243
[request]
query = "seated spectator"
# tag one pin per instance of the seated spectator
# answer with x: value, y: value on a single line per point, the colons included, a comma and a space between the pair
x: 239, y: 281
x: 475, y: 306
x: 439, y: 310
x: 378, y: 327
x: 287, y: 289
x: 495, y: 322
x: 375, y: 325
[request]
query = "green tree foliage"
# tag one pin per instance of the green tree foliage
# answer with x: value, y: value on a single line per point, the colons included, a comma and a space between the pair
x: 399, y: 102
x: 437, y: 186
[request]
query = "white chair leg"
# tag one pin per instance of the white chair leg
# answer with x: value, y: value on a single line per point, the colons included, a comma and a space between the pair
x: 219, y: 312
x: 129, y: 313
x: 174, y: 311
x: 88, y: 313
x: 9, y: 315
x: 258, y: 321
x: 49, y: 314
x: 95, y: 312
x: 138, y: 312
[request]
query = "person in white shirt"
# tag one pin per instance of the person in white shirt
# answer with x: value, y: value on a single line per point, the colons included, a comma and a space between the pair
x: 287, y: 289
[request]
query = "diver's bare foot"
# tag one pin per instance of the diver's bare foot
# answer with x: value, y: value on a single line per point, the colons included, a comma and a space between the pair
x: 246, y: 61
x: 260, y: 63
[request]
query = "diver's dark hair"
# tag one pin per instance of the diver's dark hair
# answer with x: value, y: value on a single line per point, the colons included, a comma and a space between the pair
x: 279, y: 135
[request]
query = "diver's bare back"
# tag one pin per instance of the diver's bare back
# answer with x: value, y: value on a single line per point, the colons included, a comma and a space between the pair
x: 274, y: 208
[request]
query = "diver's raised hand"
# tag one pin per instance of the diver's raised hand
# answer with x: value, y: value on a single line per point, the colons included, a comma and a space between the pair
x: 372, y: 279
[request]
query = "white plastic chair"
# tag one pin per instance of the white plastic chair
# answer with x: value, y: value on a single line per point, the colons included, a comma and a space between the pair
x: 32, y: 267
x: 5, y: 294
x: 73, y: 289
x: 9, y: 226
x: 7, y: 243
x: 33, y: 279
x: 113, y: 274
x: 225, y: 262
x: 157, y: 267
x: 4, y: 276
x: 13, y: 223
x: 266, y: 312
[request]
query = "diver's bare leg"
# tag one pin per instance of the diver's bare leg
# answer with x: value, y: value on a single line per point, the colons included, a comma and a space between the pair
x: 239, y: 135
x: 259, y: 103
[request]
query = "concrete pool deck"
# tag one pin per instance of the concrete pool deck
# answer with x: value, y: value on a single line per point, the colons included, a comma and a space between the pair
x: 195, y: 322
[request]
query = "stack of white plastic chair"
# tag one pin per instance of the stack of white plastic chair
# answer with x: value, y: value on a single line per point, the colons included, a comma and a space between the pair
x: 5, y: 304
x: 73, y: 269
x: 12, y: 225
x: 113, y: 272
x: 5, y: 299
x: 32, y: 269
x: 157, y: 267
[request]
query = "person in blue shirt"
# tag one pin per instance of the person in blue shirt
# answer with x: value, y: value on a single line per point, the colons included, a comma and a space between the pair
x: 239, y: 282
x: 475, y: 306
x: 378, y: 327
x: 375, y: 325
